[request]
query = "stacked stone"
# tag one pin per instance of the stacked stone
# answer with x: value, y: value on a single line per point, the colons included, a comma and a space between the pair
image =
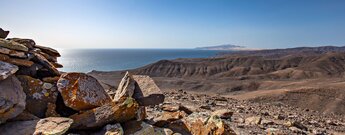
x: 35, y: 98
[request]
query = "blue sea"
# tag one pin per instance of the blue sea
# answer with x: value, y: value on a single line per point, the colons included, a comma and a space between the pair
x: 85, y: 60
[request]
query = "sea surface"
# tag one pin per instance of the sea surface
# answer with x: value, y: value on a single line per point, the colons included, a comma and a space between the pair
x: 86, y: 60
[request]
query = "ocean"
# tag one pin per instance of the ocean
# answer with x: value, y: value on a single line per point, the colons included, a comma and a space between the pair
x: 86, y: 60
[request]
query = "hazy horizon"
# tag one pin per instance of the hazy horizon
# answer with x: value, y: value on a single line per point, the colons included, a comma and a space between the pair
x: 171, y: 24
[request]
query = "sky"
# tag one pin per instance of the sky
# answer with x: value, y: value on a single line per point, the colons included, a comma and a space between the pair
x: 175, y: 23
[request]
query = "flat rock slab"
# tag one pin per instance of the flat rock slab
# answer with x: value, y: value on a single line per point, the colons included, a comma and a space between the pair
x: 146, y: 91
x: 13, y: 45
x: 113, y: 112
x: 12, y: 99
x: 7, y: 69
x: 47, y: 126
x: 46, y: 63
x: 81, y: 91
x: 27, y: 42
x: 49, y: 51
x: 12, y: 52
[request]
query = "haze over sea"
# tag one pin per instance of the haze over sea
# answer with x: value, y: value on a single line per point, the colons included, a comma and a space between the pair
x: 86, y: 60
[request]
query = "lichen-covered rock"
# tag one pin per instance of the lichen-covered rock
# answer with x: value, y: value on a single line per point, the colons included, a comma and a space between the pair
x: 113, y: 112
x: 81, y: 91
x: 49, y: 51
x: 47, y: 126
x: 146, y: 91
x: 29, y: 43
x: 13, y: 45
x: 3, y: 33
x: 6, y: 70
x: 201, y: 124
x: 125, y: 88
x: 13, y: 53
x: 12, y: 98
x: 38, y: 95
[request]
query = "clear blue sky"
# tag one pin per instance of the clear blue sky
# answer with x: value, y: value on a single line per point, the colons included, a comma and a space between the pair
x: 176, y: 23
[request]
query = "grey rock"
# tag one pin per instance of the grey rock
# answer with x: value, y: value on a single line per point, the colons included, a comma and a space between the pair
x: 7, y: 69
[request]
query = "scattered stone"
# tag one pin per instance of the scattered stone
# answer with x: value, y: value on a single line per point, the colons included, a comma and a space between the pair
x: 138, y: 128
x: 51, y: 107
x: 3, y: 33
x: 47, y: 126
x: 100, y: 116
x: 12, y: 99
x: 125, y: 88
x: 81, y: 91
x: 12, y: 45
x: 255, y: 120
x: 111, y: 129
x: 223, y: 113
x: 6, y: 70
x: 146, y: 91
x: 266, y: 122
x: 167, y: 117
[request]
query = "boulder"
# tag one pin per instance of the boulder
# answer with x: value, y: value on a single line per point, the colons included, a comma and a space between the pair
x: 3, y: 33
x: 12, y: 98
x: 47, y: 126
x: 125, y: 88
x: 112, y: 112
x: 49, y: 51
x: 146, y: 91
x: 29, y: 43
x: 6, y: 70
x: 81, y: 91
x: 13, y: 45
x: 37, y: 95
x: 13, y: 53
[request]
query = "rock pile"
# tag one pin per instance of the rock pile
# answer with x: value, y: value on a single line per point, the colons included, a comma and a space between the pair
x: 35, y: 98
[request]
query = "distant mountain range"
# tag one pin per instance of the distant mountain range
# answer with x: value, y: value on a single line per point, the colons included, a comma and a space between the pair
x: 225, y: 47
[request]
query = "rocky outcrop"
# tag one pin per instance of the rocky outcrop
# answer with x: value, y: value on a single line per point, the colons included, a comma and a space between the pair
x: 81, y: 91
